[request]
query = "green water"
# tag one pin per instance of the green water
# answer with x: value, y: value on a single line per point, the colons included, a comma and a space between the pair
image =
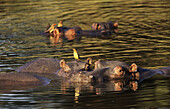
x: 143, y: 38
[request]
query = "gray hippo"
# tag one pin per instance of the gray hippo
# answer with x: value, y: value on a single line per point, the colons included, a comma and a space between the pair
x: 51, y: 65
x: 21, y: 79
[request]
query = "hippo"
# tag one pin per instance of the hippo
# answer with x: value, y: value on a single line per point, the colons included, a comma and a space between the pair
x: 72, y: 67
x: 118, y: 71
x: 14, y: 78
x: 105, y: 26
x: 131, y: 69
x: 135, y: 71
x: 51, y: 65
x: 111, y: 70
x: 71, y: 33
x: 97, y: 75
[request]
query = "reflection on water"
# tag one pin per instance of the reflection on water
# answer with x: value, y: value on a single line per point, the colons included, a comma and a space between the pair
x: 143, y: 38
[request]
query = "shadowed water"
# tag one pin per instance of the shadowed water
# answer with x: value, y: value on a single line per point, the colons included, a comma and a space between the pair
x: 143, y: 38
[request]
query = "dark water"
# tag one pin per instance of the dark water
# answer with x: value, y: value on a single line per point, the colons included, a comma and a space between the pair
x: 143, y: 38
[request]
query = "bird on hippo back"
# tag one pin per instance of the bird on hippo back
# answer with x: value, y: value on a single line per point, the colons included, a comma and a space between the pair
x: 55, y: 66
x: 99, y: 29
x: 60, y: 30
x: 87, y: 75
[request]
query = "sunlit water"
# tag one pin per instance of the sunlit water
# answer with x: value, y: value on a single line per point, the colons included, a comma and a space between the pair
x: 143, y: 38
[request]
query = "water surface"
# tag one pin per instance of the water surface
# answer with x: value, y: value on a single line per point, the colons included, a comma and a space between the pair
x: 143, y: 38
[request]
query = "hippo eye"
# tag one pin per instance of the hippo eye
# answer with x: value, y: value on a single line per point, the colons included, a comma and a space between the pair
x: 120, y: 70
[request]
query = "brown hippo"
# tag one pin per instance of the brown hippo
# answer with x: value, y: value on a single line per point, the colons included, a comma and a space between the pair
x: 71, y: 33
x: 105, y: 26
x: 97, y: 75
x: 21, y: 79
x: 128, y: 68
x: 137, y: 72
x: 117, y: 71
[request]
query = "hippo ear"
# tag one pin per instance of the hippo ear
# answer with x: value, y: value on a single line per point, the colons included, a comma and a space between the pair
x: 62, y: 63
x: 99, y: 27
x: 86, y: 67
x: 115, y: 25
x: 97, y: 64
x: 95, y: 26
x: 89, y: 61
x: 133, y: 68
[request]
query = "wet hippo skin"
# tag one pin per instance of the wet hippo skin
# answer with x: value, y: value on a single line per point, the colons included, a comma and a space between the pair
x: 40, y: 65
x: 141, y: 73
x: 99, y: 75
x: 147, y: 73
x: 21, y: 79
x: 51, y: 65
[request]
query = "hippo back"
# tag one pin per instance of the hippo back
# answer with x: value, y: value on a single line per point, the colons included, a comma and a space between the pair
x: 165, y: 71
x: 40, y: 65
x: 21, y: 78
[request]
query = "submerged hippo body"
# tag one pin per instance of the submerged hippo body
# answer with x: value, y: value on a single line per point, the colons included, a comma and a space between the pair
x: 21, y: 79
x: 147, y: 73
x: 40, y: 65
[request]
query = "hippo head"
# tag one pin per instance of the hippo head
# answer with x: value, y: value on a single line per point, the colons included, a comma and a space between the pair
x: 110, y: 73
x: 118, y: 71
x: 73, y: 67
